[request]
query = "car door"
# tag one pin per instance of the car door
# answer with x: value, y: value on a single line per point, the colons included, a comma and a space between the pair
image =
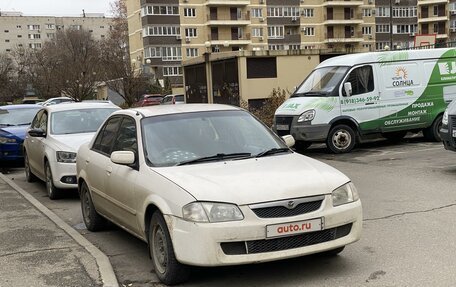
x: 120, y: 185
x: 98, y: 165
x: 36, y: 145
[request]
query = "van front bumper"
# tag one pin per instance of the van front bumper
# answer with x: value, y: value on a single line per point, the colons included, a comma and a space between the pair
x: 304, y: 131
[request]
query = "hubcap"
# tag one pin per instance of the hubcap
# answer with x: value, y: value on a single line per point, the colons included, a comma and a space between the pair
x: 86, y: 206
x: 160, y: 249
x: 341, y: 139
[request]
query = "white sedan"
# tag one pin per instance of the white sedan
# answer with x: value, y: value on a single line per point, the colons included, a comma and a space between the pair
x: 209, y: 185
x: 53, y: 139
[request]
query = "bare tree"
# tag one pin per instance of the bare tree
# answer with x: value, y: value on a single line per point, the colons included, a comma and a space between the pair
x: 120, y: 73
x: 6, y: 77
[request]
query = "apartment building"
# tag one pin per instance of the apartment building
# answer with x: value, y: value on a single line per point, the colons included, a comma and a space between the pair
x: 166, y: 32
x: 17, y: 30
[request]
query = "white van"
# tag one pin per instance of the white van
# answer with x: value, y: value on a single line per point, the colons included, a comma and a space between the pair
x: 389, y: 93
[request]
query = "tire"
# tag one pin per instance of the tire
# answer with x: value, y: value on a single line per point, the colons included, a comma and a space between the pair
x: 92, y: 220
x: 333, y: 252
x: 52, y: 191
x: 29, y: 176
x: 395, y: 136
x: 432, y: 133
x: 341, y: 139
x: 302, y: 145
x: 161, y: 250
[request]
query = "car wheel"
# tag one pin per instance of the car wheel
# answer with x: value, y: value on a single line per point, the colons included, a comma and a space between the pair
x: 302, y: 145
x: 29, y: 176
x: 166, y: 266
x: 341, y: 139
x: 92, y: 220
x: 432, y: 133
x: 52, y: 191
x: 333, y: 252
x: 394, y: 136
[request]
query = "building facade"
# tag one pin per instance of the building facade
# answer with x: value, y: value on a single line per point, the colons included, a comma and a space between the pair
x: 17, y: 30
x: 167, y: 32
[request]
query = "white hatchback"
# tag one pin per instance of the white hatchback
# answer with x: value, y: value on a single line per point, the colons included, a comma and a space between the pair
x: 209, y: 185
x: 53, y: 139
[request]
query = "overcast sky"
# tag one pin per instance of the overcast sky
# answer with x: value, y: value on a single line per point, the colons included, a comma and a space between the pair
x: 56, y: 7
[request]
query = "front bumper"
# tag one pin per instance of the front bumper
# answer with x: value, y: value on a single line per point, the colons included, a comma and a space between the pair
x: 200, y: 244
x: 61, y: 171
x: 449, y: 142
x: 303, y: 131
x: 11, y: 151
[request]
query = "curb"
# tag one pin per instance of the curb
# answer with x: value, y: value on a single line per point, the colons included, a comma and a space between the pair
x: 105, y: 269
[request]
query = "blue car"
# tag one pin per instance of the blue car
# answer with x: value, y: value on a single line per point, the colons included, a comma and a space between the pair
x: 14, y: 121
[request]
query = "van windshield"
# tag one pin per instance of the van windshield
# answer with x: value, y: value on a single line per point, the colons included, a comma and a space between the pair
x: 321, y: 82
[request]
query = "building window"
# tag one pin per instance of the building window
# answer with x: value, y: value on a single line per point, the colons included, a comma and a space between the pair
x: 384, y: 28
x: 152, y: 52
x: 190, y: 33
x: 6, y: 31
x: 19, y: 26
x: 405, y: 29
x: 34, y: 36
x: 50, y: 26
x: 35, y: 45
x: 19, y: 36
x: 8, y: 50
x: 257, y: 13
x: 382, y: 11
x: 367, y: 12
x: 76, y: 27
x: 258, y: 68
x: 50, y: 35
x: 276, y: 47
x: 283, y: 12
x: 275, y: 32
x: 101, y: 27
x: 367, y: 30
x: 294, y: 47
x: 33, y: 27
x: 171, y: 53
x: 404, y: 12
x: 307, y: 13
x: 160, y: 10
x: 172, y: 71
x: 161, y: 31
x: 102, y: 36
x: 189, y: 12
x: 257, y: 32
x: 309, y: 31
x: 381, y: 45
x: 192, y: 52
x: 7, y: 41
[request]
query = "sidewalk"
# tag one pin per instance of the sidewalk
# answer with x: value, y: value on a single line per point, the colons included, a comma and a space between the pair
x: 39, y: 249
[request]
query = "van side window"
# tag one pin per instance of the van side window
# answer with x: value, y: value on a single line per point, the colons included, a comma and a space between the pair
x: 362, y: 80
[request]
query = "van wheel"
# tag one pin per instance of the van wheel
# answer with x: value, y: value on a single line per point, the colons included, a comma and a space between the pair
x: 394, y: 136
x: 341, y: 139
x: 302, y: 145
x: 432, y: 133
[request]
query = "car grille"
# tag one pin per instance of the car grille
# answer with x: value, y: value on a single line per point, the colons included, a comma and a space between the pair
x: 283, y: 121
x: 285, y: 243
x: 282, y: 211
x: 453, y: 123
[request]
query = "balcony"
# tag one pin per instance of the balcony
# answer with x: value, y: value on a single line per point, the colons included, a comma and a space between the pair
x: 432, y: 18
x: 235, y: 40
x: 243, y: 20
x: 357, y: 19
x: 431, y: 2
x: 342, y: 38
x: 442, y: 36
x: 235, y: 3
x: 343, y: 3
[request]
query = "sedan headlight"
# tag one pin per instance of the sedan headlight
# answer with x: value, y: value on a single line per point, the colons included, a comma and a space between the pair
x: 345, y: 194
x: 445, y: 118
x: 4, y: 140
x: 307, y: 116
x: 66, y: 156
x: 211, y: 212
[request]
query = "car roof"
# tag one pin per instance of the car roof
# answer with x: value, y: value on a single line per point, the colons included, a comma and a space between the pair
x: 79, y: 105
x: 160, y: 110
x: 20, y: 106
x: 59, y: 98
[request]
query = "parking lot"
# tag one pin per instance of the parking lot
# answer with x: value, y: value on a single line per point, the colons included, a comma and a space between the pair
x: 409, y: 199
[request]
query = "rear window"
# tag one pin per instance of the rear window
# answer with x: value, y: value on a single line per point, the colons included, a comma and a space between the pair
x: 179, y: 98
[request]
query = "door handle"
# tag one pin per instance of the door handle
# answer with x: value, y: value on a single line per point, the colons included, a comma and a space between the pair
x: 87, y: 161
x: 369, y: 103
x: 109, y: 170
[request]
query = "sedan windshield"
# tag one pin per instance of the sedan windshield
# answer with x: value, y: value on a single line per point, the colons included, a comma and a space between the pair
x: 192, y: 138
x: 78, y: 121
x: 17, y: 117
x: 321, y: 82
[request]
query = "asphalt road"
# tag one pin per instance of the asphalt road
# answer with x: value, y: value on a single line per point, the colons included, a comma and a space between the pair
x: 409, y: 200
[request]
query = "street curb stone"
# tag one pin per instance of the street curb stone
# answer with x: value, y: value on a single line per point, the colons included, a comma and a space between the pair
x: 105, y: 269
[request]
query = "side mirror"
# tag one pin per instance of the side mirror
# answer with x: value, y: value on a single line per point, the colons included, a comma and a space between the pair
x: 123, y: 157
x: 37, y: 133
x: 348, y: 89
x: 289, y: 140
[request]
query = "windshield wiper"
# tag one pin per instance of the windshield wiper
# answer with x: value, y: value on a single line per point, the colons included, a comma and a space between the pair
x: 24, y: 124
x: 7, y: 125
x: 310, y: 93
x: 273, y: 151
x: 219, y: 156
